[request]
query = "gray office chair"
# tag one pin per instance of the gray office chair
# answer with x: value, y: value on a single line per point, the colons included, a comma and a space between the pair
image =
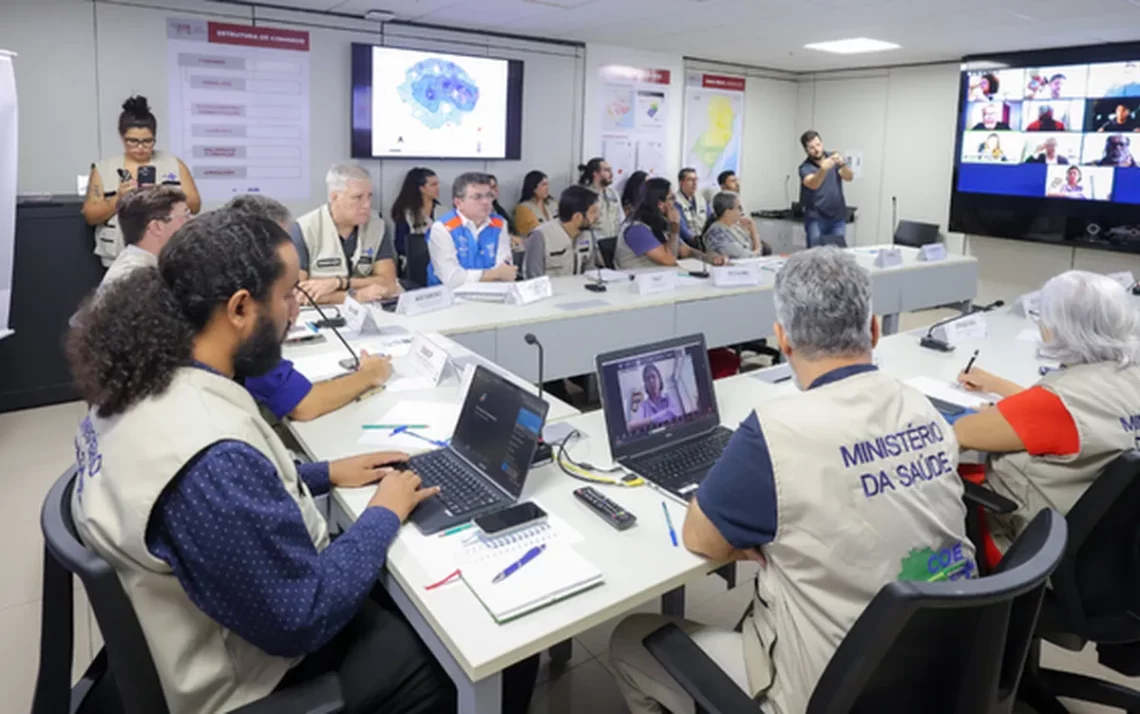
x: 937, y: 648
x: 122, y: 678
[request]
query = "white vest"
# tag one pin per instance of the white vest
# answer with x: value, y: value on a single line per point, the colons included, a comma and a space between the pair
x: 125, y: 463
x: 867, y: 492
x: 1104, y: 402
x: 626, y: 259
x: 108, y: 237
x: 326, y: 256
x: 550, y: 205
x: 695, y: 217
x: 561, y: 256
x: 610, y: 213
x: 131, y: 259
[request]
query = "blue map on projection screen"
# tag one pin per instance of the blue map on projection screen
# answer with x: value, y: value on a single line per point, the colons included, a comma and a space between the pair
x: 438, y: 92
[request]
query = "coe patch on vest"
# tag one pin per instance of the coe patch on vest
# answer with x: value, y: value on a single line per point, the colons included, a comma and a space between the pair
x: 328, y: 262
x: 926, y: 565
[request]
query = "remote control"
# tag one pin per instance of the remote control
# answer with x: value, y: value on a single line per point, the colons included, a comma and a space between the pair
x: 606, y: 509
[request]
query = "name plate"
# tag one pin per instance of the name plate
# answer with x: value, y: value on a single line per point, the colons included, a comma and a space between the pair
x: 968, y: 327
x: 932, y: 252
x: 655, y: 281
x: 429, y: 359
x: 888, y: 258
x: 735, y: 275
x: 1125, y: 279
x: 1027, y: 305
x: 355, y: 314
x: 417, y: 302
x: 525, y: 292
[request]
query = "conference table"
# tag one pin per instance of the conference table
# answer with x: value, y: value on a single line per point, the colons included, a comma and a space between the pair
x: 575, y: 325
x: 638, y: 565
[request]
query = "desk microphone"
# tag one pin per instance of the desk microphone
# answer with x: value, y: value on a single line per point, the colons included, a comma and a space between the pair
x: 599, y: 286
x: 331, y: 326
x: 704, y: 271
x: 532, y: 340
x: 930, y: 342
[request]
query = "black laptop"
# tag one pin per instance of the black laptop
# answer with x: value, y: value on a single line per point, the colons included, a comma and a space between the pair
x: 485, y: 465
x: 661, y: 413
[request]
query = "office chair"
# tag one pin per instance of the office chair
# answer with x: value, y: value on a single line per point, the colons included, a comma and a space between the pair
x: 939, y: 648
x: 1094, y: 595
x: 607, y: 246
x: 415, y: 270
x: 122, y: 677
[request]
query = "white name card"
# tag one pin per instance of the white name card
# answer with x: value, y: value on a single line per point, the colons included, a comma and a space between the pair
x: 888, y: 258
x: 1125, y: 279
x: 1027, y: 305
x: 968, y: 327
x: 430, y: 359
x: 735, y: 275
x: 417, y: 302
x: 655, y: 281
x: 932, y: 252
x: 354, y: 314
x: 525, y: 292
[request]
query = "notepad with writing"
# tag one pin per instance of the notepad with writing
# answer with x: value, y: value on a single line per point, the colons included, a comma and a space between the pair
x: 556, y: 574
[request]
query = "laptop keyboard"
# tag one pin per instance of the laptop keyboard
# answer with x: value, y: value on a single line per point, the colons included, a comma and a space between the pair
x: 679, y: 463
x: 460, y: 490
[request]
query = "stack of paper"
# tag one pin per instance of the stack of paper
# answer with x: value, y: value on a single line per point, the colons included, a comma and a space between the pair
x: 483, y: 292
x: 609, y: 276
x: 320, y: 367
x: 426, y: 422
x: 556, y: 573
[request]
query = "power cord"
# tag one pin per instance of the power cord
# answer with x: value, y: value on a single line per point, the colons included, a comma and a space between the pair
x: 585, y: 471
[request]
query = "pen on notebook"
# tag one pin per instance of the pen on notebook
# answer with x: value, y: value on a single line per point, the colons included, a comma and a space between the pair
x: 669, y: 523
x: 514, y: 567
x: 401, y: 427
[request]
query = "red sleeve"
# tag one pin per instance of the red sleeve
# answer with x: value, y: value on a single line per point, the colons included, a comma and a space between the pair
x: 1042, y: 422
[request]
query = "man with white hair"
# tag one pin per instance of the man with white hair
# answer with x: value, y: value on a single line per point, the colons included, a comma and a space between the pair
x: 836, y: 491
x: 343, y: 245
x: 1048, y: 443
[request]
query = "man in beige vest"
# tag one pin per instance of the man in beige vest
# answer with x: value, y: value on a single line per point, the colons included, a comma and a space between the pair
x: 147, y: 217
x: 837, y: 491
x: 198, y: 506
x: 598, y: 176
x: 343, y: 244
x: 692, y: 206
x: 550, y: 248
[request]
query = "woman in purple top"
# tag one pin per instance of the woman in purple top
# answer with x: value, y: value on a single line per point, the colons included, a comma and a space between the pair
x: 651, y: 237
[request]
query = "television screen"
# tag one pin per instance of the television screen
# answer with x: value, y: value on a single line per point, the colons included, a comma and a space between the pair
x: 416, y: 104
x: 1049, y: 145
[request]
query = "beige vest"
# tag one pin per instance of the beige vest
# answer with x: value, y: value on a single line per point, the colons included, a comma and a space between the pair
x: 561, y: 256
x: 610, y: 213
x: 626, y: 259
x: 695, y: 217
x: 549, y: 204
x: 1104, y: 402
x: 326, y: 256
x: 108, y: 237
x: 131, y: 259
x: 124, y: 464
x: 867, y: 492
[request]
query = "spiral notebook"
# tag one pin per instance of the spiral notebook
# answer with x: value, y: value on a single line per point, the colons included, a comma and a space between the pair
x: 556, y: 574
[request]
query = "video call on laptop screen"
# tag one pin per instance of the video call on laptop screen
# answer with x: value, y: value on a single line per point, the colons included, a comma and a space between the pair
x: 658, y: 390
x: 498, y: 429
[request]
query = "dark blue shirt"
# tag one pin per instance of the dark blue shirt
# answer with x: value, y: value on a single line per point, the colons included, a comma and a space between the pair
x: 280, y: 389
x: 739, y: 493
x: 825, y: 202
x: 238, y: 545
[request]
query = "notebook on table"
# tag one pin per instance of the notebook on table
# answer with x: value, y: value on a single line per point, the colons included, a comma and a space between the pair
x: 556, y: 574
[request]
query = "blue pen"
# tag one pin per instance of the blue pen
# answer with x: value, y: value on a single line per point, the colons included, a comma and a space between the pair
x: 513, y: 567
x: 405, y: 430
x: 669, y: 522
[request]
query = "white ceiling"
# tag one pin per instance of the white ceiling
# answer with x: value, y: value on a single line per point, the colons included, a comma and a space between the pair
x: 772, y: 33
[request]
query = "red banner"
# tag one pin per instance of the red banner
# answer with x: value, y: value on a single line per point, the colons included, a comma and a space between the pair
x: 249, y: 36
x: 717, y: 81
x: 637, y: 74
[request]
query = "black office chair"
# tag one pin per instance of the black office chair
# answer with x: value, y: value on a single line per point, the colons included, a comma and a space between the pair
x: 937, y: 648
x: 1094, y: 595
x: 122, y: 678
x: 418, y: 259
x: 607, y: 246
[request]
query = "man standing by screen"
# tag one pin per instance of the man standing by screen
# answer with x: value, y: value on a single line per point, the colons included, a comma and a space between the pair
x: 821, y: 192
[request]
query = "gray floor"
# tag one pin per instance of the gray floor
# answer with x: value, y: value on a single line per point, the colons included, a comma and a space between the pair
x: 36, y: 447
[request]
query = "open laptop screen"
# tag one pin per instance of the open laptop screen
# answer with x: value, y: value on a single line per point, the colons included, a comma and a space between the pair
x: 657, y: 391
x: 498, y: 429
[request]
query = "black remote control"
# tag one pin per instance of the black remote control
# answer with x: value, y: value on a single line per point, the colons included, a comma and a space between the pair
x: 606, y: 509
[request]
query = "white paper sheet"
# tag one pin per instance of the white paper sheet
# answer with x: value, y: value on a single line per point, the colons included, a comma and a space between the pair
x: 438, y: 418
x: 1030, y: 334
x: 609, y: 276
x: 952, y: 393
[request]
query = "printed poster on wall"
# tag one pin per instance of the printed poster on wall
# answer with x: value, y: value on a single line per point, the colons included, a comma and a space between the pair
x: 714, y: 125
x: 634, y: 112
x: 239, y: 107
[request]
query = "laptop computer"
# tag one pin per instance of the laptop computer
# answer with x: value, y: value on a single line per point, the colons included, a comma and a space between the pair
x: 661, y: 412
x: 916, y: 234
x: 485, y: 465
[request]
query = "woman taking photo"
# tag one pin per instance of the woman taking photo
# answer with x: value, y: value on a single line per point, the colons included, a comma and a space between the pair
x: 652, y: 235
x: 727, y: 234
x: 1048, y: 443
x: 536, y: 205
x: 413, y: 211
x: 113, y: 176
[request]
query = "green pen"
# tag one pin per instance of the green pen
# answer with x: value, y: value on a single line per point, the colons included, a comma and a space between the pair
x: 394, y: 426
x: 457, y: 529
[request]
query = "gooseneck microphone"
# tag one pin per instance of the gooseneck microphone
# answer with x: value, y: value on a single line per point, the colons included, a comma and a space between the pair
x: 598, y: 286
x: 326, y: 320
x: 930, y: 342
x: 530, y: 339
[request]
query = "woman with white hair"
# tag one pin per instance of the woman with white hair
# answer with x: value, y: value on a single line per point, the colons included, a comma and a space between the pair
x: 1049, y: 442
